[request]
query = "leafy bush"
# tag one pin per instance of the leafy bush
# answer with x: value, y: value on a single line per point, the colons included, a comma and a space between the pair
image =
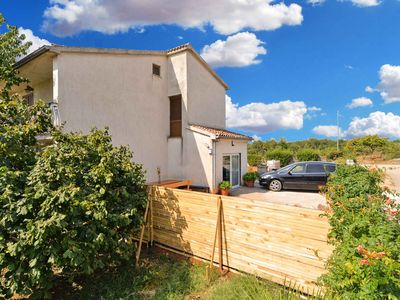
x: 308, y: 155
x: 365, y: 231
x: 225, y: 185
x: 254, y: 160
x: 84, y: 200
x: 284, y: 156
x: 250, y: 176
x: 334, y: 154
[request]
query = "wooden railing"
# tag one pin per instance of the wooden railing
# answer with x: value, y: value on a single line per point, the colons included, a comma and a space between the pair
x: 278, y: 242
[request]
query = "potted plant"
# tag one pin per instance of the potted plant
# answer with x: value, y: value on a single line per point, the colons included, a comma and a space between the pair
x: 249, y: 178
x: 224, y: 187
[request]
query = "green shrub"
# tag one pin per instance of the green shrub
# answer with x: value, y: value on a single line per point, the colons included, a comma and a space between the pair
x: 308, y: 155
x: 284, y: 156
x: 225, y: 185
x: 254, y: 160
x: 83, y: 201
x: 250, y: 176
x: 365, y: 231
x: 334, y: 154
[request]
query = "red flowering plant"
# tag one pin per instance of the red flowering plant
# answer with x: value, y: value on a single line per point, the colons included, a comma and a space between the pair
x: 365, y: 230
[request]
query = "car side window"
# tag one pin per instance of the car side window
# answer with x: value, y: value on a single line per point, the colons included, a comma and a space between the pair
x: 315, y: 168
x: 298, y: 169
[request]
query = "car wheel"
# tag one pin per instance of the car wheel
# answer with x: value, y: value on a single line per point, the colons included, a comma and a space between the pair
x: 275, y: 185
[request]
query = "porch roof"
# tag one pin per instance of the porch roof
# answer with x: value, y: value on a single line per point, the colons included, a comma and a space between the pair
x: 217, y: 133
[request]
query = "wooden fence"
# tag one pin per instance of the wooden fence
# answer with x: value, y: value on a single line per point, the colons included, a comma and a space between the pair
x: 277, y: 242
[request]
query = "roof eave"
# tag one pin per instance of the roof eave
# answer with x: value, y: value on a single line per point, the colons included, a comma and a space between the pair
x: 32, y: 56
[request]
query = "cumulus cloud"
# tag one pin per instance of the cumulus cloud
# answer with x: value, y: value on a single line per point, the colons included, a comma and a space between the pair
x: 380, y: 123
x: 359, y: 102
x: 256, y: 137
x: 383, y: 124
x: 262, y: 117
x: 239, y: 50
x: 36, y: 41
x: 327, y: 130
x: 389, y: 85
x: 366, y: 3
x: 69, y: 17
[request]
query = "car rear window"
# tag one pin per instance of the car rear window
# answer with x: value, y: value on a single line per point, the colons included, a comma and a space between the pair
x: 330, y: 168
x: 315, y: 168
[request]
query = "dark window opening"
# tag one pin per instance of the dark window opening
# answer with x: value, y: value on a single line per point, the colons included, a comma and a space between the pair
x: 315, y: 168
x: 28, y: 98
x: 175, y: 116
x: 156, y: 70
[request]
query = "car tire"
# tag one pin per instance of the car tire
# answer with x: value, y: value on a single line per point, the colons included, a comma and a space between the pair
x: 275, y: 185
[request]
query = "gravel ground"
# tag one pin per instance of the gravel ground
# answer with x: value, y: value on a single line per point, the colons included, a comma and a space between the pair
x: 303, y: 199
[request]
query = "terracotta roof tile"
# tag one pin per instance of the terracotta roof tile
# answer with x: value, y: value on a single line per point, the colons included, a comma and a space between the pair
x: 221, y: 133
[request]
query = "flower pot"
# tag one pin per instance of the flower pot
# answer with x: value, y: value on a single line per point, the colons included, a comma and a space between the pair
x: 225, y: 192
x: 249, y: 183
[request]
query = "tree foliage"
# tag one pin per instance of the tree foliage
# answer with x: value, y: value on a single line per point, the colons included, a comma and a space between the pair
x: 308, y: 155
x: 365, y: 230
x: 368, y: 147
x: 284, y: 156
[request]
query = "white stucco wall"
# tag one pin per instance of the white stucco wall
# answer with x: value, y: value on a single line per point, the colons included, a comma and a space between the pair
x: 206, y: 96
x: 224, y: 146
x: 118, y: 91
x: 198, y: 165
x: 44, y: 91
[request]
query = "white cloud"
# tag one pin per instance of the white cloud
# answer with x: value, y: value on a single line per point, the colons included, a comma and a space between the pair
x: 69, y: 17
x: 350, y: 67
x: 369, y: 89
x: 256, y: 137
x: 327, y: 130
x: 366, y: 3
x: 359, y: 102
x: 36, y: 41
x: 380, y: 123
x: 239, y: 50
x: 261, y: 117
x: 315, y: 2
x: 389, y: 85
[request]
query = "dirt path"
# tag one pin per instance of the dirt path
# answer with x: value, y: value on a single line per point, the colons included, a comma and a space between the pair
x: 393, y: 176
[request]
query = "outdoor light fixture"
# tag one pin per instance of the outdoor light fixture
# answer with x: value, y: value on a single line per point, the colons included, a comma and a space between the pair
x: 55, y: 114
x: 232, y: 143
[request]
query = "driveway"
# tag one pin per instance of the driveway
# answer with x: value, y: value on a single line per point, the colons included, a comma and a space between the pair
x: 307, y: 199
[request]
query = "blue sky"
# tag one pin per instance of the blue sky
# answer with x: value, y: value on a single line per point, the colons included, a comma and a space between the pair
x: 290, y: 66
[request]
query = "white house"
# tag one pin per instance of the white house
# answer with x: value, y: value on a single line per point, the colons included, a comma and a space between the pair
x: 168, y: 106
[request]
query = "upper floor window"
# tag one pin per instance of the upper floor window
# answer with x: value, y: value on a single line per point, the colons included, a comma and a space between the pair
x: 175, y: 116
x: 156, y: 70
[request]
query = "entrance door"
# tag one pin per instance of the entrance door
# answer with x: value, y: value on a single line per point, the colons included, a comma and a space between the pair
x: 231, y: 169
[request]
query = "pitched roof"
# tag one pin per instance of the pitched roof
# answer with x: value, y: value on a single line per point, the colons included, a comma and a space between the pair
x: 220, y: 133
x: 181, y: 48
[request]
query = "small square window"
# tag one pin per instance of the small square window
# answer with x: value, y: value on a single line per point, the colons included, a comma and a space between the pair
x: 156, y: 70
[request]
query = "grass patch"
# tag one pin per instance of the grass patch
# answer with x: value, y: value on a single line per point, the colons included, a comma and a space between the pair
x: 166, y: 278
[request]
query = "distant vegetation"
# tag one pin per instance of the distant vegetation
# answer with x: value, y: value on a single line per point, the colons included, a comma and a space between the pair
x: 372, y: 147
